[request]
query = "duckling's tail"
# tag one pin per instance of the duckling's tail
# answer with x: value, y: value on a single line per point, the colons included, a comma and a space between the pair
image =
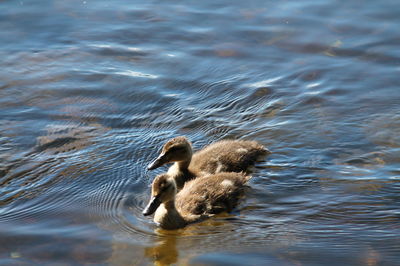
x: 248, y: 177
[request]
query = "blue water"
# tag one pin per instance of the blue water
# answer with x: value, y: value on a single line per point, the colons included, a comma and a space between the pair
x: 90, y: 90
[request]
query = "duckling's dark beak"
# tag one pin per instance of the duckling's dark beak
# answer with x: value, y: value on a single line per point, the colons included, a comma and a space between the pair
x: 152, y: 206
x: 157, y: 162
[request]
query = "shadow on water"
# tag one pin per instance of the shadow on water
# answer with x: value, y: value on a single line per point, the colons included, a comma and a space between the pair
x: 22, y: 177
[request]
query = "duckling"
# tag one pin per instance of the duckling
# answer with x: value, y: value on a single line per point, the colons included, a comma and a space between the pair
x: 222, y: 156
x: 199, y: 199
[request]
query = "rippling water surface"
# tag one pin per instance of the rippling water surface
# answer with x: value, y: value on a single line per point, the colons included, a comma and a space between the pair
x: 90, y: 90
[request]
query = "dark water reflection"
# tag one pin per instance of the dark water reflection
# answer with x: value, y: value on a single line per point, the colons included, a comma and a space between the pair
x: 90, y: 90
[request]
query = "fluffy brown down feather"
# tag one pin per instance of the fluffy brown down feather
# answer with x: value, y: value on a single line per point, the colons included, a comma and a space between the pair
x: 208, y: 196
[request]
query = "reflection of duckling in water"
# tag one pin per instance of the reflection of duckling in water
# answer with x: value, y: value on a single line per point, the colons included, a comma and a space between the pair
x: 222, y: 156
x: 164, y: 253
x: 199, y: 199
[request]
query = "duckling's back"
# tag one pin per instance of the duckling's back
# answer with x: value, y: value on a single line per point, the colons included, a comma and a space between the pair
x: 227, y: 156
x: 212, y: 194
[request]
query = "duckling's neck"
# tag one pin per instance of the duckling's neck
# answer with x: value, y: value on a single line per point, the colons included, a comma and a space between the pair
x: 180, y: 174
x: 183, y: 165
x: 168, y: 217
x: 170, y: 205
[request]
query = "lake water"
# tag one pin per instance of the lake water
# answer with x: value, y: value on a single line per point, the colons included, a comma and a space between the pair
x: 90, y: 90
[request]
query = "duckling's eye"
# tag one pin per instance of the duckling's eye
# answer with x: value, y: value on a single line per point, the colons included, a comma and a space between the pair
x: 165, y: 188
x: 177, y: 149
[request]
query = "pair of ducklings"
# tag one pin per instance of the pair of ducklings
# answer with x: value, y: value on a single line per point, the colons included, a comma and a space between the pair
x: 200, y: 185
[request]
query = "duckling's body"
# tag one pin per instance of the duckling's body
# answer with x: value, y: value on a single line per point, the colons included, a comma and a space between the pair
x: 199, y: 199
x: 227, y: 156
x: 222, y: 156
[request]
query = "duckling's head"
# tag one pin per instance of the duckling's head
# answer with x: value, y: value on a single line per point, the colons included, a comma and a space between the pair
x: 175, y: 150
x: 163, y: 189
